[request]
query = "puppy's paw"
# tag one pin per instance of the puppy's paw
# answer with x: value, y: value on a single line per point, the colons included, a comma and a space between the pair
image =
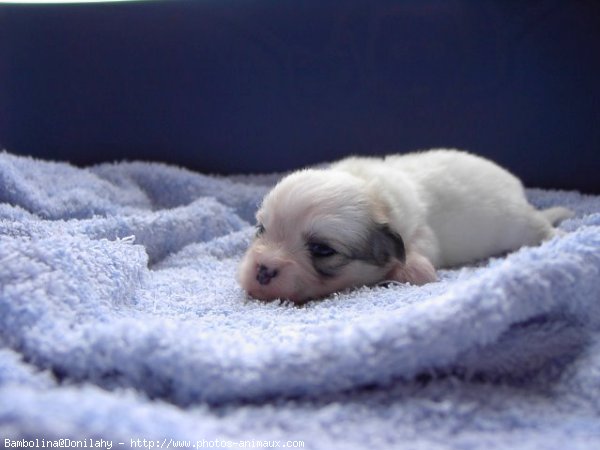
x: 416, y: 270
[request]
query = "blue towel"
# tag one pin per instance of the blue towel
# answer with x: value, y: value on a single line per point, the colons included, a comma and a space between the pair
x: 121, y: 320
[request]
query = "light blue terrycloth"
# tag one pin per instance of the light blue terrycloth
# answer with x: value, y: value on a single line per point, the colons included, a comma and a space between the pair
x: 120, y: 318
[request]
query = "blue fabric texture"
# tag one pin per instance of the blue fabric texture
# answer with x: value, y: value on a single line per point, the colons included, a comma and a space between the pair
x: 120, y: 318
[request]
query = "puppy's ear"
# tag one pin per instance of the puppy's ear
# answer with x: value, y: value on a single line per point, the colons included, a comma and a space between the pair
x: 386, y: 244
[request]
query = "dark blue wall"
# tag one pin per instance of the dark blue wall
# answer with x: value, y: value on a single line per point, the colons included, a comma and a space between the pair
x: 263, y: 85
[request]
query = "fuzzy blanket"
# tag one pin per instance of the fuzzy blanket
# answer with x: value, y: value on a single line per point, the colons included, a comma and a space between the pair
x: 121, y: 324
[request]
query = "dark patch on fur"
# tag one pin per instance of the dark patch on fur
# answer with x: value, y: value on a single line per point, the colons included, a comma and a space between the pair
x: 330, y: 266
x: 382, y: 245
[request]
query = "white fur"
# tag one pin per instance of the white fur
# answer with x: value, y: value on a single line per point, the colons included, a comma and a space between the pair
x: 449, y: 207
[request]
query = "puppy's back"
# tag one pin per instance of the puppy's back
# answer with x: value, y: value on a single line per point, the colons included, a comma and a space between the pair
x: 474, y: 207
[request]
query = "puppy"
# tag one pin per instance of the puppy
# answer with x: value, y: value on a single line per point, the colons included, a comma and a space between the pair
x: 364, y: 220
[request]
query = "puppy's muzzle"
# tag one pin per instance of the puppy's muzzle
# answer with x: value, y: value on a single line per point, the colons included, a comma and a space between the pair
x: 264, y: 275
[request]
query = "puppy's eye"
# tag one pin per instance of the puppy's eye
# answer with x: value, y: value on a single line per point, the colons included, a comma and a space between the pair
x: 318, y: 250
x: 260, y: 229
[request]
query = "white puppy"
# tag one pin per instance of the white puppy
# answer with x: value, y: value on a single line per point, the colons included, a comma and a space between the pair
x: 365, y: 220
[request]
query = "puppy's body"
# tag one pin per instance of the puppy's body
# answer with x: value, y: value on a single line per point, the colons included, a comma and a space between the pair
x: 452, y: 207
x: 364, y: 220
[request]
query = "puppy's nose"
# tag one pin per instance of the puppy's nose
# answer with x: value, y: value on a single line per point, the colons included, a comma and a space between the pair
x: 264, y: 275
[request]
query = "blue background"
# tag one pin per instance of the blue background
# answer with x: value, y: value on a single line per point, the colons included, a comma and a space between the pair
x: 257, y: 86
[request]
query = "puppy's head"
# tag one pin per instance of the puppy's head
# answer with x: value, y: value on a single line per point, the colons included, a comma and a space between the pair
x: 318, y: 231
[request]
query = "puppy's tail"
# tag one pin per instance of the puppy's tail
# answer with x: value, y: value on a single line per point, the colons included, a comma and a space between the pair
x: 557, y: 214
